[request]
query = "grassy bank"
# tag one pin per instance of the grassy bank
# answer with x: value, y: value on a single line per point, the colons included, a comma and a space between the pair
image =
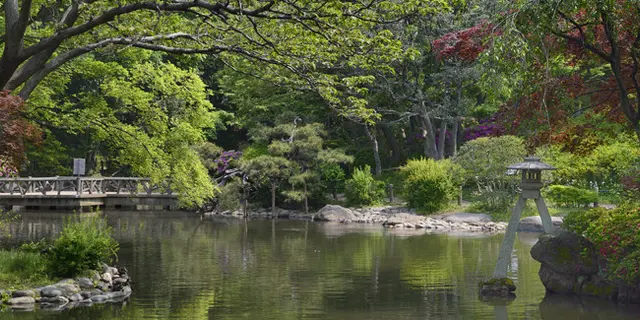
x: 21, y: 270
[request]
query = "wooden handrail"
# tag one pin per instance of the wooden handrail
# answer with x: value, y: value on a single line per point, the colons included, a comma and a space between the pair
x: 48, y: 186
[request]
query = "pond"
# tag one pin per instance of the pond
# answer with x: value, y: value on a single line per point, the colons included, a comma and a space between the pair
x: 184, y: 267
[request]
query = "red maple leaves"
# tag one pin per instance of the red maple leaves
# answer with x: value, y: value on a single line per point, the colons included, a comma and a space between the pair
x: 465, y: 45
x: 15, y: 130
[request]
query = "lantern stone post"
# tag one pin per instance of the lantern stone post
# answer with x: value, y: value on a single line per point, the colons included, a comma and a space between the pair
x: 531, y: 184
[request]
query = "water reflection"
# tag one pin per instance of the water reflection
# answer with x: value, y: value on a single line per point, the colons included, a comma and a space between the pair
x: 188, y: 268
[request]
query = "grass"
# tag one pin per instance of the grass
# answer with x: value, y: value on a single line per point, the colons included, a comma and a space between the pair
x: 22, y: 270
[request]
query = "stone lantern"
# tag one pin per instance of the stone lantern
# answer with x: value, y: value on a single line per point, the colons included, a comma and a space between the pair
x: 531, y: 184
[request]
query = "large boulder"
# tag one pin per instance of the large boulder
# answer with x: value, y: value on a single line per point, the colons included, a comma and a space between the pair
x: 534, y: 224
x: 566, y: 253
x: 335, y: 213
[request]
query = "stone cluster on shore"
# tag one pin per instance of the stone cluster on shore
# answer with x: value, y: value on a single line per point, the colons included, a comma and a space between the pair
x: 112, y: 285
x: 399, y: 217
x: 389, y: 217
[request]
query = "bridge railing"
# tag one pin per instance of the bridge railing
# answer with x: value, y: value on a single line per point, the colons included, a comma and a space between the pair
x: 80, y: 185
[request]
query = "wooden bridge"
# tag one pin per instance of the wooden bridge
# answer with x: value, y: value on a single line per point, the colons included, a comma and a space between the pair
x: 76, y: 193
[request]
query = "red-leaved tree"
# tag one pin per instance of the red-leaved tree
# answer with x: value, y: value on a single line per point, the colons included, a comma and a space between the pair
x: 15, y: 130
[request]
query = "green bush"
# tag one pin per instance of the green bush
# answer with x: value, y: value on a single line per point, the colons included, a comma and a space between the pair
x: 616, y: 238
x: 230, y: 196
x: 579, y: 221
x: 430, y: 185
x: 484, y: 162
x: 363, y: 188
x: 83, y: 244
x: 569, y: 196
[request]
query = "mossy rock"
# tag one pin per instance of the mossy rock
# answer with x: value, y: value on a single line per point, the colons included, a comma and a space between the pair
x: 566, y: 253
x: 502, y: 288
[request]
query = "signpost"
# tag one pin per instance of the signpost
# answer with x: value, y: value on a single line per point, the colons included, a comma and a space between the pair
x: 78, y: 166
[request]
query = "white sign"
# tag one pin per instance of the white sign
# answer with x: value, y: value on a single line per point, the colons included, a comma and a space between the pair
x: 78, y: 166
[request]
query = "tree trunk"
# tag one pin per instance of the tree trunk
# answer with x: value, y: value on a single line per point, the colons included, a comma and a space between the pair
x: 454, y: 137
x: 442, y: 139
x: 306, y: 198
x: 273, y: 200
x: 396, y: 151
x: 430, y: 147
x: 376, y: 152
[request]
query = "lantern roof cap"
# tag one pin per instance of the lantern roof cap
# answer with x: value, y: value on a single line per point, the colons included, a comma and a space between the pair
x: 531, y: 163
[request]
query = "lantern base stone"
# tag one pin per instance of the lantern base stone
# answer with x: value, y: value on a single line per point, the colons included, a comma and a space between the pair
x: 497, y: 288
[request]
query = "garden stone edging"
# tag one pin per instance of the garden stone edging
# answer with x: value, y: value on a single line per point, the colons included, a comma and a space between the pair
x: 569, y: 264
x: 112, y: 285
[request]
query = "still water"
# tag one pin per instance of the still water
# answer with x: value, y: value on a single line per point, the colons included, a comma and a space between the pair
x: 184, y: 267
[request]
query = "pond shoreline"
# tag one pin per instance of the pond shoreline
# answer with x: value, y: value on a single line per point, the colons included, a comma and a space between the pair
x: 113, y: 285
x: 392, y: 217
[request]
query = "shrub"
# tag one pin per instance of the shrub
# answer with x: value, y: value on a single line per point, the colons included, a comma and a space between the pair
x: 569, y: 196
x: 230, y: 196
x: 84, y: 243
x: 615, y: 236
x: 363, y: 189
x: 484, y: 162
x: 430, y: 185
x: 579, y: 221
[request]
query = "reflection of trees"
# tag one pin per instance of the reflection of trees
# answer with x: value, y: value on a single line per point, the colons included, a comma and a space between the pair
x: 191, y: 269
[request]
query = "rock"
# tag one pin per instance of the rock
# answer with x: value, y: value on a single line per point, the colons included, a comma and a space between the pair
x: 534, y: 224
x: 21, y: 300
x: 566, y: 253
x: 23, y: 293
x: 497, y: 288
x: 64, y: 282
x: 86, y: 303
x: 470, y: 218
x: 101, y: 298
x: 54, y: 300
x: 76, y: 297
x: 116, y: 295
x: 103, y: 286
x: 335, y: 213
x: 600, y: 288
x: 127, y: 290
x: 68, y: 289
x: 85, y: 283
x: 558, y: 282
x: 95, y: 276
x: 106, y: 277
x: 50, y: 291
x: 110, y: 270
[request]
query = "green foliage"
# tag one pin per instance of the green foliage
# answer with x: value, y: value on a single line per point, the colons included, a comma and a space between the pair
x: 570, y: 196
x: 363, y: 189
x: 485, y: 162
x: 579, y: 221
x: 332, y: 177
x: 615, y: 235
x: 83, y: 244
x: 143, y: 115
x: 230, y: 196
x: 22, y: 269
x: 430, y: 185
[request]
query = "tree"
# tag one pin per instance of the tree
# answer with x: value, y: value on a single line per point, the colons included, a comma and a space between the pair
x: 302, y: 37
x: 14, y: 130
x: 139, y: 113
x: 271, y: 169
x: 303, y: 147
x: 599, y: 41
